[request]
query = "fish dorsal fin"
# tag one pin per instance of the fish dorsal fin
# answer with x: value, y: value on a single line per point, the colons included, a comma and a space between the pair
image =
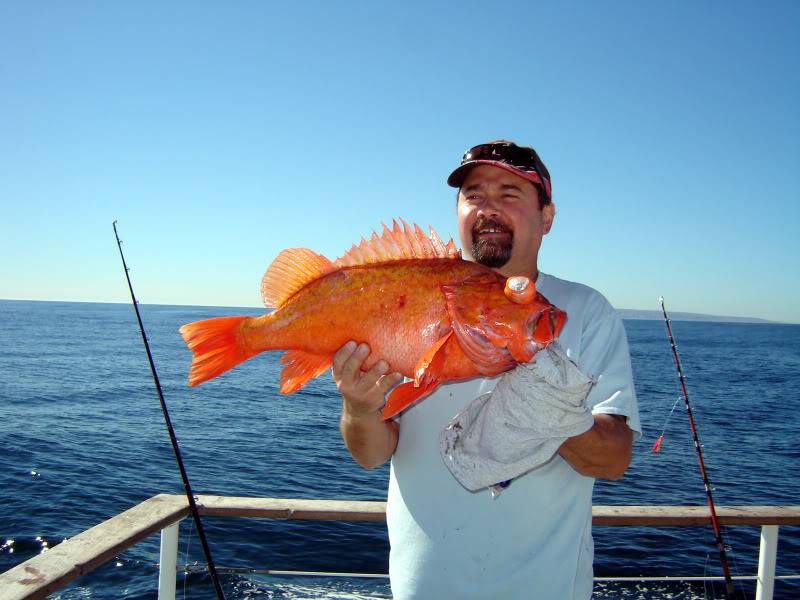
x: 402, y: 241
x: 291, y: 271
x: 294, y: 268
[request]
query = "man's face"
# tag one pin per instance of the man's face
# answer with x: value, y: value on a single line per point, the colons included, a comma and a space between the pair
x: 500, y: 223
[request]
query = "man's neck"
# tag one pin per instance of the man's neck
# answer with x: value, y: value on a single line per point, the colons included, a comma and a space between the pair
x: 531, y: 273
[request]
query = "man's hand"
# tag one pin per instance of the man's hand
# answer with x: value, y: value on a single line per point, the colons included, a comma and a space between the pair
x: 363, y: 392
x: 369, y: 439
x: 604, y: 451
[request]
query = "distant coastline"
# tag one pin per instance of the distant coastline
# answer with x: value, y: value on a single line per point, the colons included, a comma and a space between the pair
x: 625, y: 313
x: 656, y: 315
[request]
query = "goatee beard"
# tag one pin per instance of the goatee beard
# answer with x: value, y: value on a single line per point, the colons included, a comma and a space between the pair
x: 491, y: 252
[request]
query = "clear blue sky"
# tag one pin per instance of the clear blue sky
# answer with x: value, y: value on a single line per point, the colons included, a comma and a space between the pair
x: 219, y: 134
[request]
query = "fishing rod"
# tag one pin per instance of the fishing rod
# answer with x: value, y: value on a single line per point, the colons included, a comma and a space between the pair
x: 186, y: 486
x: 729, y: 589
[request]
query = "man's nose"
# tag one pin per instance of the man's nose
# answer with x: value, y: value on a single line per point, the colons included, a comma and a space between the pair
x: 489, y: 207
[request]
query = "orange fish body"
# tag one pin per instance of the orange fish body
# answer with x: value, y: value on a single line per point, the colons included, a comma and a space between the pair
x: 429, y: 314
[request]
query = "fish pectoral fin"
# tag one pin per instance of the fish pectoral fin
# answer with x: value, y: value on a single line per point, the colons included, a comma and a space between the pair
x: 404, y: 395
x: 430, y: 364
x: 426, y: 378
x: 300, y: 367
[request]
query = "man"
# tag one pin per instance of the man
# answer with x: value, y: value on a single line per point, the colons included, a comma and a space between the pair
x: 533, y: 540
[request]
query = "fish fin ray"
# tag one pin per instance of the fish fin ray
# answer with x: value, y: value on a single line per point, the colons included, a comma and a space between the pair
x: 216, y: 347
x: 291, y: 271
x: 401, y: 242
x: 404, y: 395
x: 300, y: 368
x: 430, y: 364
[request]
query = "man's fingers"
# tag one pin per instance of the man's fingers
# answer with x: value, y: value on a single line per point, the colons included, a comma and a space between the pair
x: 387, y: 382
x: 351, y: 368
x: 371, y: 377
x: 341, y: 357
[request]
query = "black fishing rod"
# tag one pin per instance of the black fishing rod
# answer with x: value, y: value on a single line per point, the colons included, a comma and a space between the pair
x: 186, y: 486
x: 729, y: 589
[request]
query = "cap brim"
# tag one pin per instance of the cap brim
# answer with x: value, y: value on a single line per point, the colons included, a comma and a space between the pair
x: 458, y: 176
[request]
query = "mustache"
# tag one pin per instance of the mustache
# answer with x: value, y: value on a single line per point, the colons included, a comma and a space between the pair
x: 493, y: 253
x: 489, y: 223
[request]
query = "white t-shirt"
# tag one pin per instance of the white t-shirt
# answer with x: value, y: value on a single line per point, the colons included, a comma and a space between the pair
x: 534, y: 540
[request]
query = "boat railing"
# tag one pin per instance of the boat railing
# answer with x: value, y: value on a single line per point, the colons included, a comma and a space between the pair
x: 77, y: 556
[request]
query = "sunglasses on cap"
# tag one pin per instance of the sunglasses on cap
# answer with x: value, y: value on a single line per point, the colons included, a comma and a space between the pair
x: 522, y: 161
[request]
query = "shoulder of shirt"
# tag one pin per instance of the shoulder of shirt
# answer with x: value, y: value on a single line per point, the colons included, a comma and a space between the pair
x: 566, y: 294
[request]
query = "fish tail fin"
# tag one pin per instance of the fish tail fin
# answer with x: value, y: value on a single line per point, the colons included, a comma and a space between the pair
x: 217, y: 345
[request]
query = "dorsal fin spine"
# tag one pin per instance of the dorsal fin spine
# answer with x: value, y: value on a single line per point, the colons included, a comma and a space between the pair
x: 412, y: 241
x: 438, y: 245
x: 395, y: 245
x: 369, y: 248
x: 400, y: 242
x: 381, y: 246
x: 427, y: 247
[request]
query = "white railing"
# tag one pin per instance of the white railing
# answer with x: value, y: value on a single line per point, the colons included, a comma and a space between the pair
x: 48, y: 572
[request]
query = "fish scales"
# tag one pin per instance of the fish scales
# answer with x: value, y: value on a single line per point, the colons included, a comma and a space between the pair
x: 397, y: 308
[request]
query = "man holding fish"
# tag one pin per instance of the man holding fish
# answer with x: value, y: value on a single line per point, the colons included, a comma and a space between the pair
x: 491, y: 478
x: 450, y: 537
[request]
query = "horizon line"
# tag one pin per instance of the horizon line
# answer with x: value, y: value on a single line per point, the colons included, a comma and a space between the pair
x: 673, y: 313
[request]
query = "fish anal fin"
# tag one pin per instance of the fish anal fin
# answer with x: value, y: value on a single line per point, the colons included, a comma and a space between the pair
x: 401, y: 242
x: 300, y: 368
x: 291, y: 271
x: 404, y: 395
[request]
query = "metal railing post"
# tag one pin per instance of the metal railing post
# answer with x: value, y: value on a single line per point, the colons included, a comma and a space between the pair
x: 167, y: 562
x: 765, y: 584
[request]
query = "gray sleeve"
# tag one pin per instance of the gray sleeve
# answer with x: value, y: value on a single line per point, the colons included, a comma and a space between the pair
x: 605, y: 357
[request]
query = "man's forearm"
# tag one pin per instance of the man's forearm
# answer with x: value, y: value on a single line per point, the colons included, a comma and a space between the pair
x: 604, y: 451
x: 370, y: 440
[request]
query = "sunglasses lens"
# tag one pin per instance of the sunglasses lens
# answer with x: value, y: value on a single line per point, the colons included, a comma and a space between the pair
x: 523, y: 159
x: 513, y: 155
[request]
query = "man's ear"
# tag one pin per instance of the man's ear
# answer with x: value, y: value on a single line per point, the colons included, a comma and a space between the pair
x: 548, y: 214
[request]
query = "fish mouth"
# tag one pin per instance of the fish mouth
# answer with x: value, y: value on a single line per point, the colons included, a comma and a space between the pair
x: 531, y: 346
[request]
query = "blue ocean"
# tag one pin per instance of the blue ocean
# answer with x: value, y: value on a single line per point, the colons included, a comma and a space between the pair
x: 83, y: 439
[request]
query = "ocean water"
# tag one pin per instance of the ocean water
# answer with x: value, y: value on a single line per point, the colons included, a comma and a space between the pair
x: 82, y: 439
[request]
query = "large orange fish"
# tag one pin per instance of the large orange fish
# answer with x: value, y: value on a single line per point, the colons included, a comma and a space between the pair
x: 429, y: 314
